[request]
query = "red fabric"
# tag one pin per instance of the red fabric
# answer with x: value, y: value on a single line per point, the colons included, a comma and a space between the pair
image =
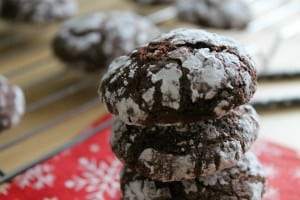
x: 91, y: 171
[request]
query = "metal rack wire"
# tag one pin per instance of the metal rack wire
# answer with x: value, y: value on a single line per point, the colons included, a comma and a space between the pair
x: 57, y: 95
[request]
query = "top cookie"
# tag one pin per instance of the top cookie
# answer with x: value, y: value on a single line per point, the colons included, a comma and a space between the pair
x: 215, y: 13
x: 181, y: 77
x: 37, y: 11
x: 92, y: 41
x: 12, y: 104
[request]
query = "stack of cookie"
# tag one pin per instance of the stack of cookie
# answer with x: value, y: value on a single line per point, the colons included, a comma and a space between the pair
x: 182, y: 128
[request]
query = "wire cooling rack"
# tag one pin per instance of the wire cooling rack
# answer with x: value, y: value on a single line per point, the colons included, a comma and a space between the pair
x: 61, y: 102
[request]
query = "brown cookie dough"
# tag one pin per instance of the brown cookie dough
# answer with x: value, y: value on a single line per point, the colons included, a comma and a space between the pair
x: 183, y: 76
x: 173, y: 153
x: 245, y: 181
x: 154, y: 1
x: 215, y: 13
x: 94, y: 40
x: 12, y: 104
x: 38, y: 11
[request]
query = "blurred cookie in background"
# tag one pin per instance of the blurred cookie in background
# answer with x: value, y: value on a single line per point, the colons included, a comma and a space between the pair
x: 226, y: 14
x: 39, y: 12
x: 12, y: 104
x: 92, y: 41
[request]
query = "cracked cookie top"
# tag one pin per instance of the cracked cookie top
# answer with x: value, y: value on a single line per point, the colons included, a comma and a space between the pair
x: 182, y: 76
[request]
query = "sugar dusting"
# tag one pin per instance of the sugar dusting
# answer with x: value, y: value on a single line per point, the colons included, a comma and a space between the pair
x: 179, y: 166
x: 249, y: 166
x: 170, y: 76
x: 148, y: 97
x: 129, y: 111
x: 257, y: 190
x: 19, y: 105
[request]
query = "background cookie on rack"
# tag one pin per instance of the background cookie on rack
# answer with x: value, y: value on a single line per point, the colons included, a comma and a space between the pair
x: 92, y: 41
x: 215, y: 13
x: 12, y: 104
x: 36, y: 11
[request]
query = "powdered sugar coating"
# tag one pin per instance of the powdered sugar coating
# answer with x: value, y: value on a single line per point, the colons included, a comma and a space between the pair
x: 215, y: 13
x: 180, y: 165
x: 235, y: 183
x: 12, y: 104
x: 195, y: 75
x: 128, y: 105
x: 170, y: 86
x: 249, y: 166
x: 184, y: 152
x: 94, y: 40
x: 38, y: 11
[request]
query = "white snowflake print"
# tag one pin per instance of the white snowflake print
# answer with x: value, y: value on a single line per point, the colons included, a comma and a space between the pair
x: 97, y: 179
x: 4, y: 188
x: 94, y: 148
x: 296, y: 174
x: 50, y: 198
x: 261, y: 147
x: 37, y: 177
x: 272, y: 194
x: 271, y: 171
x: 61, y: 155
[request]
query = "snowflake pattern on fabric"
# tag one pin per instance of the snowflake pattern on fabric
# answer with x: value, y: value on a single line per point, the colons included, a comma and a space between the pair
x: 272, y: 194
x: 37, y: 177
x: 297, y: 173
x: 4, y: 189
x: 270, y: 171
x: 261, y: 147
x: 94, y: 148
x: 91, y: 171
x: 96, y: 178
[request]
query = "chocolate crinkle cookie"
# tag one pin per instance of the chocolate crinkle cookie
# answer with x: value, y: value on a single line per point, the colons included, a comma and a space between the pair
x: 215, y: 13
x: 12, y: 104
x: 173, y: 153
x: 154, y: 1
x: 94, y: 40
x: 182, y: 76
x: 245, y: 181
x: 38, y: 11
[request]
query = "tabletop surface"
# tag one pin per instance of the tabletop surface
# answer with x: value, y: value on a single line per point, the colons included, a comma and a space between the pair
x: 42, y: 75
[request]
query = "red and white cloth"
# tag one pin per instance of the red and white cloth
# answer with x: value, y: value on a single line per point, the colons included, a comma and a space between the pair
x: 90, y: 171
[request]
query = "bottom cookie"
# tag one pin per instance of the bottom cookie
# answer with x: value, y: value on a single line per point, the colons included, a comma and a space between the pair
x: 244, y: 181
